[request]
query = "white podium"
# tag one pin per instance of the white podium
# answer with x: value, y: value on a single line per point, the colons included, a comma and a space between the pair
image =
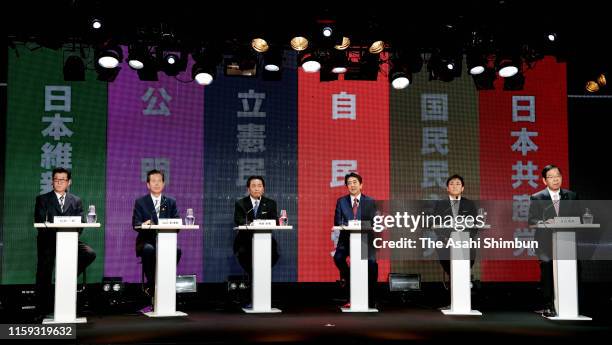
x: 66, y: 259
x: 359, y: 273
x: 565, y: 270
x: 461, y: 294
x: 164, y: 303
x: 262, y: 267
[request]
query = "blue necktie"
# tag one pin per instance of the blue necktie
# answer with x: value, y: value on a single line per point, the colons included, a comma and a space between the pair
x: 255, y: 209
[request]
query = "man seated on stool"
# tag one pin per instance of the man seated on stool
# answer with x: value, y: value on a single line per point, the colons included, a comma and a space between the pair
x: 58, y: 202
x: 355, y: 206
x: 544, y: 206
x: 254, y: 206
x: 455, y: 205
x: 147, y: 211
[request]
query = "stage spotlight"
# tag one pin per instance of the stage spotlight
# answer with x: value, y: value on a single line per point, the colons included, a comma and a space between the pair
x: 508, y: 66
x: 476, y: 63
x: 186, y: 283
x: 346, y: 42
x: 601, y: 80
x: 330, y: 34
x: 399, y: 79
x: 310, y: 63
x: 109, y: 57
x: 96, y: 23
x: 172, y: 62
x: 338, y: 62
x: 299, y: 43
x: 400, y: 282
x: 74, y: 69
x: 260, y: 45
x: 399, y: 76
x: 444, y: 67
x: 273, y: 59
x: 202, y: 74
x: 591, y: 86
x: 138, y: 57
x: 112, y: 290
x: 376, y: 47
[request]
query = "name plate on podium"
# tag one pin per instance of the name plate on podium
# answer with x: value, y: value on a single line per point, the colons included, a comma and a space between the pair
x: 354, y: 223
x: 264, y: 222
x: 567, y: 220
x: 66, y: 220
x: 170, y: 221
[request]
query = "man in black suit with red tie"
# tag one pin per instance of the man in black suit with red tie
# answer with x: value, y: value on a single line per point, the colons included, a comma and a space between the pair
x: 148, y: 209
x: 544, y: 206
x: 253, y: 206
x: 58, y: 202
x: 355, y: 206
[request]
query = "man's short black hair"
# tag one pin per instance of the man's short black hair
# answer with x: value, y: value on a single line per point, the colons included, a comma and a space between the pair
x: 254, y: 177
x: 154, y: 172
x: 353, y: 174
x: 61, y: 170
x: 455, y: 177
x: 548, y: 168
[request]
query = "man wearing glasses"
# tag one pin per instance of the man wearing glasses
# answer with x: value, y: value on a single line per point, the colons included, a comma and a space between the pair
x: 58, y: 202
x: 544, y: 206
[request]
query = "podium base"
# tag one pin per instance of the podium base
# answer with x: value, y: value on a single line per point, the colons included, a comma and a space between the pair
x: 261, y: 311
x: 569, y: 318
x: 468, y: 313
x: 154, y: 314
x: 355, y: 310
x: 77, y: 320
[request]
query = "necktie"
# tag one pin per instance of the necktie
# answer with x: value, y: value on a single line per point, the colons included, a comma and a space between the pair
x: 255, y: 207
x: 556, y: 204
x: 355, y: 207
x: 157, y: 208
x: 455, y: 207
x: 61, y: 202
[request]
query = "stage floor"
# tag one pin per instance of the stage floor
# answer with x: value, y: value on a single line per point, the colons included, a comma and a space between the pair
x: 310, y: 314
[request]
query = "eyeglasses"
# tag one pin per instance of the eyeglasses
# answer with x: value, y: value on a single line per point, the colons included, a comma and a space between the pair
x: 60, y: 180
x: 553, y: 177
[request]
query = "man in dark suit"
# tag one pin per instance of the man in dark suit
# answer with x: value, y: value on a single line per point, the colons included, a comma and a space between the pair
x: 355, y: 206
x: 455, y: 205
x: 148, y: 209
x: 56, y: 203
x: 253, y: 206
x: 544, y: 206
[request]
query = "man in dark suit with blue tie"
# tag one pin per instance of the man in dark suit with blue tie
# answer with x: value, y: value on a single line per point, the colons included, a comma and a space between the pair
x: 148, y: 209
x: 253, y: 206
x: 455, y: 205
x: 355, y: 206
x: 58, y: 202
x: 544, y: 206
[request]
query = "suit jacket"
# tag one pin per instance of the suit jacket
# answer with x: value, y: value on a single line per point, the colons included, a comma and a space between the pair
x: 344, y: 212
x: 144, y: 210
x: 243, y: 214
x: 541, y: 208
x: 47, y: 207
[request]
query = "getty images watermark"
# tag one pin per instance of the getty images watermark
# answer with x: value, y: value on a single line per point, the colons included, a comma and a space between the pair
x: 412, y: 222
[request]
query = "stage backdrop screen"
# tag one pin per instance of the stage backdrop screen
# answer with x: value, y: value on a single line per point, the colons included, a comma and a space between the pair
x: 302, y: 134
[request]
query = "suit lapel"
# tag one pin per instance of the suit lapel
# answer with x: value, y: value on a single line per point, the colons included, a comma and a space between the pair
x: 56, y: 203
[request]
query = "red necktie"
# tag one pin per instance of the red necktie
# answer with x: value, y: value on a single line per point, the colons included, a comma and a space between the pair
x: 355, y: 206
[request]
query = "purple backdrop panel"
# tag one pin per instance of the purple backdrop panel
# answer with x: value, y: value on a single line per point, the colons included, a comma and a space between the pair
x: 152, y: 125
